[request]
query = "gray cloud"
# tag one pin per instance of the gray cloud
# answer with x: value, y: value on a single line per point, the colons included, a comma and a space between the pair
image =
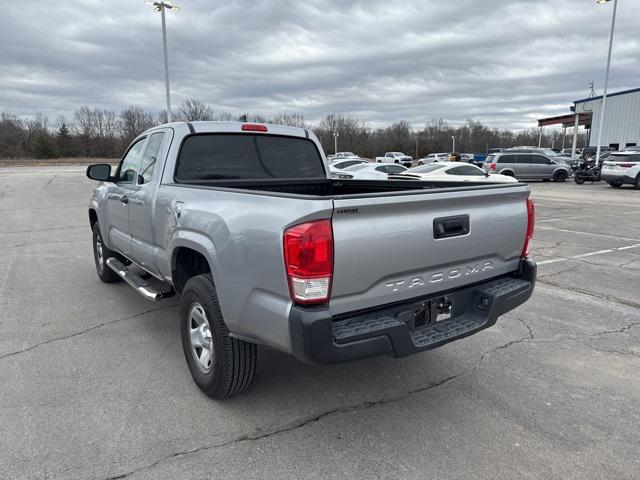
x: 503, y: 62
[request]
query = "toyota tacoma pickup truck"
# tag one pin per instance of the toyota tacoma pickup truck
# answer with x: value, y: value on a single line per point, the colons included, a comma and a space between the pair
x: 245, y: 224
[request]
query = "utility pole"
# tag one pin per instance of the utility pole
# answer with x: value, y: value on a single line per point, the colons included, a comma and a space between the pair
x: 161, y: 6
x: 606, y: 77
x: 335, y: 142
x: 453, y: 143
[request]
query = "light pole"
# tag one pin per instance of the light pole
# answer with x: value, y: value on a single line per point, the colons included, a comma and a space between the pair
x: 335, y: 142
x: 606, y: 77
x: 416, y: 146
x: 453, y: 144
x: 161, y: 7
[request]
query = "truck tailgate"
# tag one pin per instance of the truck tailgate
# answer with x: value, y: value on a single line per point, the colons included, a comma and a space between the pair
x: 386, y: 250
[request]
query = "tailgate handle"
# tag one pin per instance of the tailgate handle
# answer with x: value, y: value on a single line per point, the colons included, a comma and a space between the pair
x: 446, y: 227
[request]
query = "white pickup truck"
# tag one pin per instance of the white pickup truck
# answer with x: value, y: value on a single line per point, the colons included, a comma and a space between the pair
x: 396, y: 157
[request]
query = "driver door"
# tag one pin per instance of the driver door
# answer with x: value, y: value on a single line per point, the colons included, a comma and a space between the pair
x: 117, y: 201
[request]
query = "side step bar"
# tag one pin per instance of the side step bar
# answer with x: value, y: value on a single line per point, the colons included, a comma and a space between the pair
x: 137, y: 282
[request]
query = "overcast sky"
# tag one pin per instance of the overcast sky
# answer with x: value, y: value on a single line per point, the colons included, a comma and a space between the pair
x: 503, y: 62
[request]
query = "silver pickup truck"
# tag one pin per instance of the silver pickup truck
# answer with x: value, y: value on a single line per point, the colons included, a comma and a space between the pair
x: 244, y: 223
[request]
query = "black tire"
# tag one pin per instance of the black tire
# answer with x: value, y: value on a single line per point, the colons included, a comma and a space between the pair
x: 508, y: 173
x: 615, y: 184
x: 636, y: 184
x: 233, y: 362
x: 578, y: 178
x: 560, y: 176
x: 546, y: 179
x: 100, y: 255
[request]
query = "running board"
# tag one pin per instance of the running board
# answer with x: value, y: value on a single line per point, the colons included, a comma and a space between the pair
x: 139, y: 284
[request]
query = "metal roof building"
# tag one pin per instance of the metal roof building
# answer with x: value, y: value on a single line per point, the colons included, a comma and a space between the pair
x: 621, y: 118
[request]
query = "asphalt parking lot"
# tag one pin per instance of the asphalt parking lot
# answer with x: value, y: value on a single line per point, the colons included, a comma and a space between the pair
x: 93, y: 382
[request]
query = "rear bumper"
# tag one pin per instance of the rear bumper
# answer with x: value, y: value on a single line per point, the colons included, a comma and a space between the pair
x: 318, y: 338
x: 610, y: 177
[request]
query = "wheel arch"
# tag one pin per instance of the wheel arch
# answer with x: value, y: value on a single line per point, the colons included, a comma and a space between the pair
x: 93, y: 217
x: 188, y: 260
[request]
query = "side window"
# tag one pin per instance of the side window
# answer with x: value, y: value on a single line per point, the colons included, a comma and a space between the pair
x: 395, y: 169
x: 129, y: 164
x: 147, y: 165
x: 469, y: 171
x: 524, y: 158
x: 507, y: 159
x: 452, y: 171
x: 540, y: 160
x: 382, y: 169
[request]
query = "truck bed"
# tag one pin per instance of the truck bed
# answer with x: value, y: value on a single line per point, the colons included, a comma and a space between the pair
x: 341, y: 188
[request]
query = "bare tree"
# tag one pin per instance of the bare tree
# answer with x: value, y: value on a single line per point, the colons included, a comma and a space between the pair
x: 193, y: 110
x: 134, y: 122
x: 291, y: 119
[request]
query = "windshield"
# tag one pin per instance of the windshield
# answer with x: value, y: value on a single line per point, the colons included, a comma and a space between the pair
x: 426, y: 168
x: 354, y: 168
x: 550, y: 153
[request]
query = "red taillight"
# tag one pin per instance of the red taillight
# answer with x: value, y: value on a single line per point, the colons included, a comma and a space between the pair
x: 308, y: 258
x: 492, y: 166
x: 254, y: 127
x: 531, y: 220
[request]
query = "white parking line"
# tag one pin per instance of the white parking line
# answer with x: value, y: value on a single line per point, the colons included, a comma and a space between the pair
x: 577, y: 232
x: 590, y: 254
x: 582, y: 217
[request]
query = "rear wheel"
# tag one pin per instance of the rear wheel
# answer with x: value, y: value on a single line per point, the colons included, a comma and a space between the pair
x: 637, y: 182
x: 220, y: 365
x: 546, y: 179
x: 507, y: 173
x: 615, y: 184
x: 100, y: 254
x: 578, y: 178
x: 560, y: 176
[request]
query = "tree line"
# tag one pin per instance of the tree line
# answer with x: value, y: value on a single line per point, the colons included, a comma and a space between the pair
x: 95, y: 132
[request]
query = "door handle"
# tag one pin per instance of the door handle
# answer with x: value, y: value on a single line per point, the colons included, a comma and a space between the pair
x: 124, y: 199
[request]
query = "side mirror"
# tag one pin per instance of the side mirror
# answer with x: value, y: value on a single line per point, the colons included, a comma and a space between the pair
x: 99, y: 171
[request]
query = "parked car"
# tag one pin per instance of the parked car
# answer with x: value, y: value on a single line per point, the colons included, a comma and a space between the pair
x: 567, y: 151
x: 526, y: 166
x: 452, y: 172
x: 621, y: 168
x: 243, y: 222
x: 341, y: 156
x: 396, y: 157
x: 434, y: 157
x: 478, y: 159
x: 371, y: 171
x: 495, y: 150
x: 590, y: 152
x: 573, y: 163
x: 342, y: 164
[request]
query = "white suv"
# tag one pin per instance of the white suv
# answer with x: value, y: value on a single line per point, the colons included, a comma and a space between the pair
x: 619, y: 168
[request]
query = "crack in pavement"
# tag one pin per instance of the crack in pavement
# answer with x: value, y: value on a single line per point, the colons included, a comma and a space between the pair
x: 71, y: 335
x: 622, y: 330
x: 626, y: 303
x: 604, y: 350
x: 260, y: 434
x: 48, y: 229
